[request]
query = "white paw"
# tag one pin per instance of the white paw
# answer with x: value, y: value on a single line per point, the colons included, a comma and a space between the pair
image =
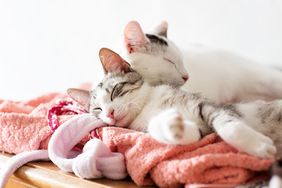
x: 247, y: 140
x: 170, y: 127
x: 263, y: 147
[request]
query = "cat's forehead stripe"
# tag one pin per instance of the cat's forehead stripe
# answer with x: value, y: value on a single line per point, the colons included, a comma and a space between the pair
x: 156, y: 39
x: 110, y: 81
x: 100, y: 85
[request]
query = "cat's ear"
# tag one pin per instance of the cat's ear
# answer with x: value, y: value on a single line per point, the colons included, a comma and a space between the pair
x: 112, y: 62
x: 134, y: 37
x: 161, y: 29
x: 81, y: 96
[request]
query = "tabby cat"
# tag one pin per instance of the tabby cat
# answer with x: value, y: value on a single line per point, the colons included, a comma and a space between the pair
x: 174, y: 116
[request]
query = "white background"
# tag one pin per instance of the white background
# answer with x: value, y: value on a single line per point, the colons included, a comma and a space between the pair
x: 52, y: 45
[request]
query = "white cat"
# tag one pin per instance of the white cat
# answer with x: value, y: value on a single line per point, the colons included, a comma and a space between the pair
x: 218, y: 75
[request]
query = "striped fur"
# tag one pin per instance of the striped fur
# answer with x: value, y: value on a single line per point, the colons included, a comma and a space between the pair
x: 174, y: 116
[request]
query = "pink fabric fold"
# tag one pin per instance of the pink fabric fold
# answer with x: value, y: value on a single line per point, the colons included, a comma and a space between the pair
x: 209, y: 161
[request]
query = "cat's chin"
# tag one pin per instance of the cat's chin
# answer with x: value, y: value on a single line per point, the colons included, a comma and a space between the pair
x: 109, y: 121
x: 122, y: 122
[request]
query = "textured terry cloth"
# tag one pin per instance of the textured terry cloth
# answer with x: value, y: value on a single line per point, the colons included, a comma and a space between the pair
x: 23, y: 125
x: 209, y: 161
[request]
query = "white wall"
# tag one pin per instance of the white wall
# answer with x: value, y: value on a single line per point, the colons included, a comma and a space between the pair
x: 52, y: 45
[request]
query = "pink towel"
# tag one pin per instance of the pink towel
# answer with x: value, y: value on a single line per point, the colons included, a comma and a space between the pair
x: 209, y: 161
x: 23, y: 125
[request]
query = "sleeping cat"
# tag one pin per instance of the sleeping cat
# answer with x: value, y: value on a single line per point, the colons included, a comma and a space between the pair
x: 173, y: 116
x: 218, y: 75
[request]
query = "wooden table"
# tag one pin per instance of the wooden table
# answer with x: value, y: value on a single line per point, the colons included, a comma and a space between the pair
x: 46, y: 174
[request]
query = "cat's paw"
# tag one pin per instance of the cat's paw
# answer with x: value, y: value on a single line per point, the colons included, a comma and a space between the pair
x: 246, y: 139
x: 174, y: 128
x: 263, y: 147
x: 170, y: 127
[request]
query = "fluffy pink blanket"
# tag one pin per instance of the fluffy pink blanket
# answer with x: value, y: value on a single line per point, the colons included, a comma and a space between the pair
x: 24, y: 127
x: 209, y: 161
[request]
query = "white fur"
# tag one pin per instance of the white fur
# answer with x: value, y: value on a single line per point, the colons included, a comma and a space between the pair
x: 225, y: 77
x: 275, y: 182
x: 218, y: 75
x: 169, y: 127
x: 140, y: 110
x: 155, y: 69
x: 244, y: 138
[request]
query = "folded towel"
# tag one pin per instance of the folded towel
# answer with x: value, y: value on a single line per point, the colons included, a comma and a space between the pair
x: 209, y: 161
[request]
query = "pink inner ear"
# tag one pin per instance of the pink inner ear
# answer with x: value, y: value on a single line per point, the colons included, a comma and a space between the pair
x: 117, y: 64
x: 112, y: 62
x: 134, y: 36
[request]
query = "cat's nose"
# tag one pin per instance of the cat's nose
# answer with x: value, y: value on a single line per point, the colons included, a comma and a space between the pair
x: 185, y: 78
x: 111, y: 114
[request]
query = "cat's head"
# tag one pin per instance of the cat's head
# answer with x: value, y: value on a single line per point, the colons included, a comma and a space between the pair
x: 115, y: 98
x: 154, y: 56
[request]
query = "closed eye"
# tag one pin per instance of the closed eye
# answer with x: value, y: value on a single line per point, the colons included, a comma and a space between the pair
x: 97, y: 109
x: 166, y: 59
x: 117, y: 90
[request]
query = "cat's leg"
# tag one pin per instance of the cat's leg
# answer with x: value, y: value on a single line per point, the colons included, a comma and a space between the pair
x: 170, y: 127
x: 238, y: 134
x: 228, y: 122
